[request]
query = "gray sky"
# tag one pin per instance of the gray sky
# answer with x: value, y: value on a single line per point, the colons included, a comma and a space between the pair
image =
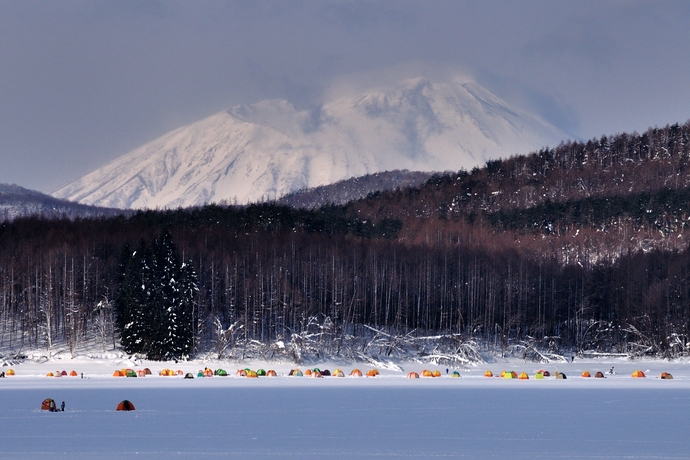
x: 83, y: 82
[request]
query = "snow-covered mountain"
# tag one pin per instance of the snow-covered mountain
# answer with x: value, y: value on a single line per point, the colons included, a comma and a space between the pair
x: 263, y: 151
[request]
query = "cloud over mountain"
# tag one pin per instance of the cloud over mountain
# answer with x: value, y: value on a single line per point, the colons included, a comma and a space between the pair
x: 266, y: 150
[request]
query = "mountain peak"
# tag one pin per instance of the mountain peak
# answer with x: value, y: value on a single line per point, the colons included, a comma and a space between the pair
x: 265, y: 150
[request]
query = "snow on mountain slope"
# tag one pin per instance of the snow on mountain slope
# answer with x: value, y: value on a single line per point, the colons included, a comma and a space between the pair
x: 263, y: 151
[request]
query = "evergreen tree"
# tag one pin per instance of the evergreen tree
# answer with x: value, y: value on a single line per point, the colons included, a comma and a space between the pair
x: 155, y: 301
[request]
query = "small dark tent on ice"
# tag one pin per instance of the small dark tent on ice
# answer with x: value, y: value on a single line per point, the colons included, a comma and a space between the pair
x: 125, y: 405
x: 189, y: 375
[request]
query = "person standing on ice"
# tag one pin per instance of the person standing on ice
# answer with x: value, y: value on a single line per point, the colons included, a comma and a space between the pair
x: 62, y: 406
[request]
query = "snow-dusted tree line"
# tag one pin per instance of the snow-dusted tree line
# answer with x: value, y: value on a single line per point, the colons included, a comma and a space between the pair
x: 592, y: 265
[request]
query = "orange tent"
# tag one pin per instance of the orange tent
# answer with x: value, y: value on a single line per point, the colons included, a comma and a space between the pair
x: 50, y: 374
x: 488, y: 374
x: 73, y: 374
x: 586, y: 374
x: 48, y: 404
x: 356, y: 373
x: 436, y: 373
x: 125, y: 405
x: 252, y: 375
x: 141, y: 373
x: 118, y: 374
x: 372, y: 373
x: 241, y: 373
x: 413, y: 375
x: 666, y: 376
x: 147, y: 371
x: 427, y: 373
x: 638, y: 374
x: 10, y: 372
x: 316, y: 375
x: 271, y: 373
x: 523, y: 376
x: 599, y: 375
x: 179, y: 372
x: 307, y: 372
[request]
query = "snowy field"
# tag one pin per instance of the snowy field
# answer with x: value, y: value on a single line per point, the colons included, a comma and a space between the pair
x: 385, y: 416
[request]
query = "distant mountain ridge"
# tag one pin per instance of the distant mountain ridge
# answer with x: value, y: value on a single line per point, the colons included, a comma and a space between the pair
x: 266, y: 150
x: 354, y: 188
x: 16, y: 201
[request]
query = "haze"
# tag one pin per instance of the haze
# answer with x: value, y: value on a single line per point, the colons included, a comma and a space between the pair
x: 84, y: 82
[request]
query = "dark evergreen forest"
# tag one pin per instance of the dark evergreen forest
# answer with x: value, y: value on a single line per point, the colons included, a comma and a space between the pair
x: 581, y: 248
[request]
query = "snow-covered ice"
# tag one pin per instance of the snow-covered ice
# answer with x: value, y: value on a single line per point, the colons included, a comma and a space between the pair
x: 385, y: 416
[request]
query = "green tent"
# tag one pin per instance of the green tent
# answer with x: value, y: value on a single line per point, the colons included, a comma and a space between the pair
x: 261, y: 373
x: 297, y: 373
x: 539, y: 376
x: 222, y: 372
x: 200, y: 374
x: 131, y: 374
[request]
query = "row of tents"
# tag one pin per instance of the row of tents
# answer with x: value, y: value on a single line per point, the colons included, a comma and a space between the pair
x: 540, y: 374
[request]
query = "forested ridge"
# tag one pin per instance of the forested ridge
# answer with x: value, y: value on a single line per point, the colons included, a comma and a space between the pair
x: 580, y: 248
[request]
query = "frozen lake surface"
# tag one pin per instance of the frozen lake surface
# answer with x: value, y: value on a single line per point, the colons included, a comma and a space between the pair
x: 386, y: 416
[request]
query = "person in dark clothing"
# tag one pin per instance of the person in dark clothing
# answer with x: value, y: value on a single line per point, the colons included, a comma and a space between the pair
x: 62, y: 406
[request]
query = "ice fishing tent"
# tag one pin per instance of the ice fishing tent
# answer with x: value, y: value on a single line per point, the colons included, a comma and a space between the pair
x: 50, y: 374
x: 539, y: 376
x: 638, y: 374
x: 73, y: 374
x: 307, y: 372
x: 130, y: 373
x: 599, y: 375
x: 63, y: 373
x: 436, y: 373
x: 10, y: 372
x: 141, y: 373
x: 221, y: 373
x: 252, y: 375
x: 125, y: 405
x: 523, y: 376
x: 117, y: 374
x: 586, y: 374
x: 488, y: 374
x: 58, y: 374
x: 455, y: 374
x: 189, y: 375
x: 261, y: 373
x: 427, y: 373
x: 48, y: 404
x: 560, y: 376
x: 241, y: 373
x: 666, y: 376
x: 545, y: 373
x: 326, y: 373
x: 147, y: 371
x: 372, y: 373
x: 297, y: 373
x: 356, y: 373
x: 271, y: 373
x: 317, y: 375
x: 338, y: 373
x: 413, y: 375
